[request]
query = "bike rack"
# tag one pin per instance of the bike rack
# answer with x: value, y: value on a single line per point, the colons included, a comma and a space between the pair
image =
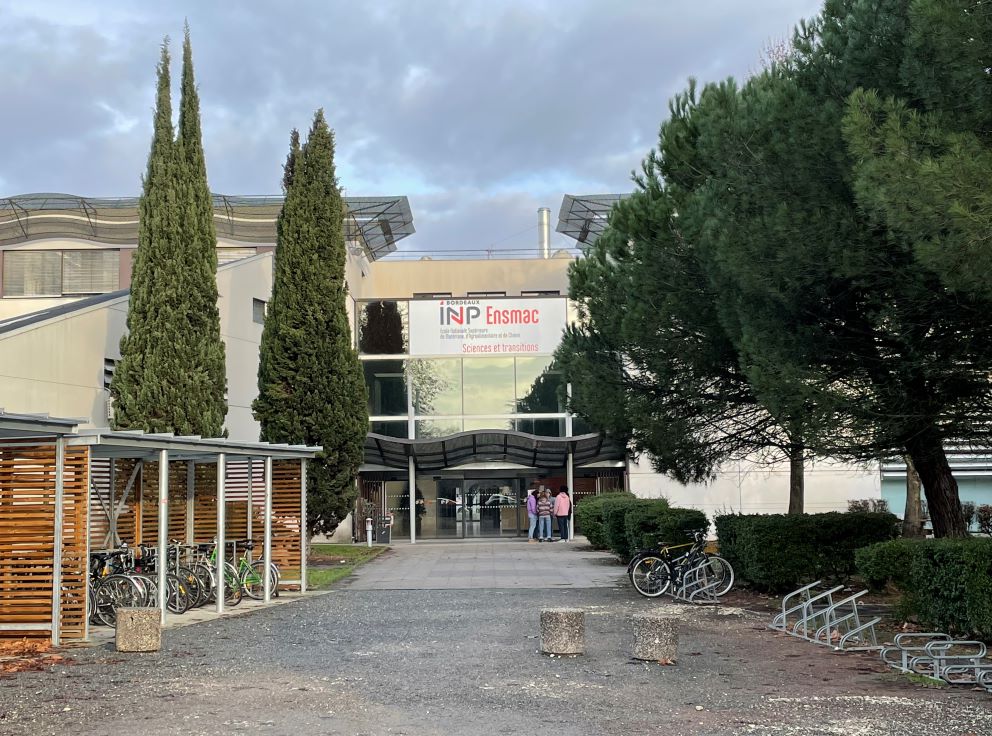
x: 818, y: 618
x: 957, y: 668
x: 696, y: 586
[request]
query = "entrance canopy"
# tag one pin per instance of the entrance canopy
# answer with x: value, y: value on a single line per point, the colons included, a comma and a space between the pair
x: 490, y: 445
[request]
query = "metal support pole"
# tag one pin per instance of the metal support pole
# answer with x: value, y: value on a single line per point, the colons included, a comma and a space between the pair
x: 570, y: 481
x: 304, y: 535
x: 251, y: 495
x: 190, y: 495
x: 57, y: 548
x: 86, y: 577
x: 267, y: 539
x: 413, y: 500
x: 112, y: 536
x: 163, y: 529
x: 220, y: 548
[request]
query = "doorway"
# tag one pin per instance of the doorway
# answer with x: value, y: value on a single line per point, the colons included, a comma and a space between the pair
x: 473, y: 508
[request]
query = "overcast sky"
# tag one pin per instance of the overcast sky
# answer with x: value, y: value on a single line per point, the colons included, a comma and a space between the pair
x: 480, y: 112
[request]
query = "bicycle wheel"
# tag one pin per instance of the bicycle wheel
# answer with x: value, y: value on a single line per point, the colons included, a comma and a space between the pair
x: 177, y: 596
x: 113, y: 592
x: 719, y: 571
x: 207, y: 585
x: 192, y: 584
x: 233, y: 593
x: 651, y: 576
x: 254, y: 584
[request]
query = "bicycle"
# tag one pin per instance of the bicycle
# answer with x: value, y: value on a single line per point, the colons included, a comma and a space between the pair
x: 653, y: 571
x: 250, y: 573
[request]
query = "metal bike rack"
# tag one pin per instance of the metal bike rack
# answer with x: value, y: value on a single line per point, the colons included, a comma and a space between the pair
x: 697, y: 586
x: 818, y: 618
x: 937, y: 655
x: 844, y: 622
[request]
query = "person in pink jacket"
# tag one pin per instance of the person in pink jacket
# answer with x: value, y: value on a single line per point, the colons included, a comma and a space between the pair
x: 563, y: 507
x: 532, y: 515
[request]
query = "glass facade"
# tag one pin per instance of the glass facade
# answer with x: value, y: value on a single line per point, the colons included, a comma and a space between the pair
x: 447, y: 395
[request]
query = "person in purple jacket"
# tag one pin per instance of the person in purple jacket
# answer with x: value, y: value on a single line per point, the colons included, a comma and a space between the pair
x: 532, y: 515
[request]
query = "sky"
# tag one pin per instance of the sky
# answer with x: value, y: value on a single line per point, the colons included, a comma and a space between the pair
x: 479, y: 111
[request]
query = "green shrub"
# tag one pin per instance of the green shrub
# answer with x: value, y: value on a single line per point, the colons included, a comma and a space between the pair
x: 946, y: 584
x: 615, y: 522
x: 589, y: 518
x: 652, y: 522
x: 780, y: 552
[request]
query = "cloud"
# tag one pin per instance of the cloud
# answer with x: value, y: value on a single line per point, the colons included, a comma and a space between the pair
x: 480, y: 112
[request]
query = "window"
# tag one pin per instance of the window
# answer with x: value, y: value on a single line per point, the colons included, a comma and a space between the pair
x: 258, y: 311
x: 483, y: 294
x: 32, y: 273
x: 382, y: 328
x: 432, y: 295
x: 60, y: 273
x: 541, y: 292
x: 488, y: 385
x: 437, y: 386
x: 386, y: 384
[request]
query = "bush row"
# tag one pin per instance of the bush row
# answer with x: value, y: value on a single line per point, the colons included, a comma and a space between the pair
x: 946, y: 584
x: 780, y: 552
x: 589, y: 518
x: 623, y: 524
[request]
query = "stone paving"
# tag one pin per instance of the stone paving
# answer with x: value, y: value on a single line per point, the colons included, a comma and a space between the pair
x: 498, y: 565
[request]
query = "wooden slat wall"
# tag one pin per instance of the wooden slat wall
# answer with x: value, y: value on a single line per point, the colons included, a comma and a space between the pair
x: 74, y: 562
x: 27, y: 538
x: 286, y: 521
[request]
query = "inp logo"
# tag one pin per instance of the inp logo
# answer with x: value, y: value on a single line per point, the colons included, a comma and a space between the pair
x: 460, y: 315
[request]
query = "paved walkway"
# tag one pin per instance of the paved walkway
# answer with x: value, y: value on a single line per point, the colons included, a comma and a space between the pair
x: 438, y: 662
x: 489, y: 565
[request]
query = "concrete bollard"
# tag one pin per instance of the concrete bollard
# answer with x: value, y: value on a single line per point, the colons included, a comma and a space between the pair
x: 563, y: 630
x: 138, y: 630
x: 656, y: 637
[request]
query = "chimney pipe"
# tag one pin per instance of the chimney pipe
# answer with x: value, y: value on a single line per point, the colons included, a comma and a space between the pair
x: 544, y: 231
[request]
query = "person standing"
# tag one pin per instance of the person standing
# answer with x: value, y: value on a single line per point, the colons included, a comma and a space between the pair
x: 544, y: 509
x: 563, y: 507
x: 532, y: 516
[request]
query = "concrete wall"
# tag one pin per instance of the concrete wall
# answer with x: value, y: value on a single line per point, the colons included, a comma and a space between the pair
x: 57, y: 366
x: 752, y: 488
x: 402, y: 279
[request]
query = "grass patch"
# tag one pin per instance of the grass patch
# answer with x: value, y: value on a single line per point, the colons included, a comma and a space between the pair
x: 924, y: 680
x: 332, y: 562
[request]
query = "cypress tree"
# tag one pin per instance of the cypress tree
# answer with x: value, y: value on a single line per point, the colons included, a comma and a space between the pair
x: 310, y: 382
x: 205, y: 385
x: 171, y: 375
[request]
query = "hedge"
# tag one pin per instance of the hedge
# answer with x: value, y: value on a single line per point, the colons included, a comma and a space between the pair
x: 615, y: 521
x: 652, y: 522
x: 781, y: 552
x: 589, y: 518
x: 946, y: 584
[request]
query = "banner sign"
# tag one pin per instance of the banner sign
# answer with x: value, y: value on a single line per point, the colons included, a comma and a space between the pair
x: 486, y: 326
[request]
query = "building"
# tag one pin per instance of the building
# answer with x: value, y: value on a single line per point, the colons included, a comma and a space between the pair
x: 465, y: 401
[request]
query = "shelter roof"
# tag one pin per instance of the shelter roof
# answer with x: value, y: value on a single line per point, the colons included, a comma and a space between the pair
x: 136, y: 443
x: 584, y: 217
x: 30, y: 426
x: 379, y: 222
x: 489, y: 445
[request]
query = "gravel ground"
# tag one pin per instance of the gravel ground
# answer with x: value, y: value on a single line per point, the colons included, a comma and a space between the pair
x: 465, y: 662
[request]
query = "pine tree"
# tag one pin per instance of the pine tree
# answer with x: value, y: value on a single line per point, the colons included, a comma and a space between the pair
x: 311, y: 387
x: 171, y: 375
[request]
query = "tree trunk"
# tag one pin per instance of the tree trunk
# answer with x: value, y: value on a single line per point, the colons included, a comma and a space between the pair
x: 939, y: 486
x: 797, y: 481
x: 912, y: 522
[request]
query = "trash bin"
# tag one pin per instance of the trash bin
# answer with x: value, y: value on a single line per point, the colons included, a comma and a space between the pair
x: 384, y: 529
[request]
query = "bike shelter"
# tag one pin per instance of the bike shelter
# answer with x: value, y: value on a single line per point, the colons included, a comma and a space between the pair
x: 67, y: 492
